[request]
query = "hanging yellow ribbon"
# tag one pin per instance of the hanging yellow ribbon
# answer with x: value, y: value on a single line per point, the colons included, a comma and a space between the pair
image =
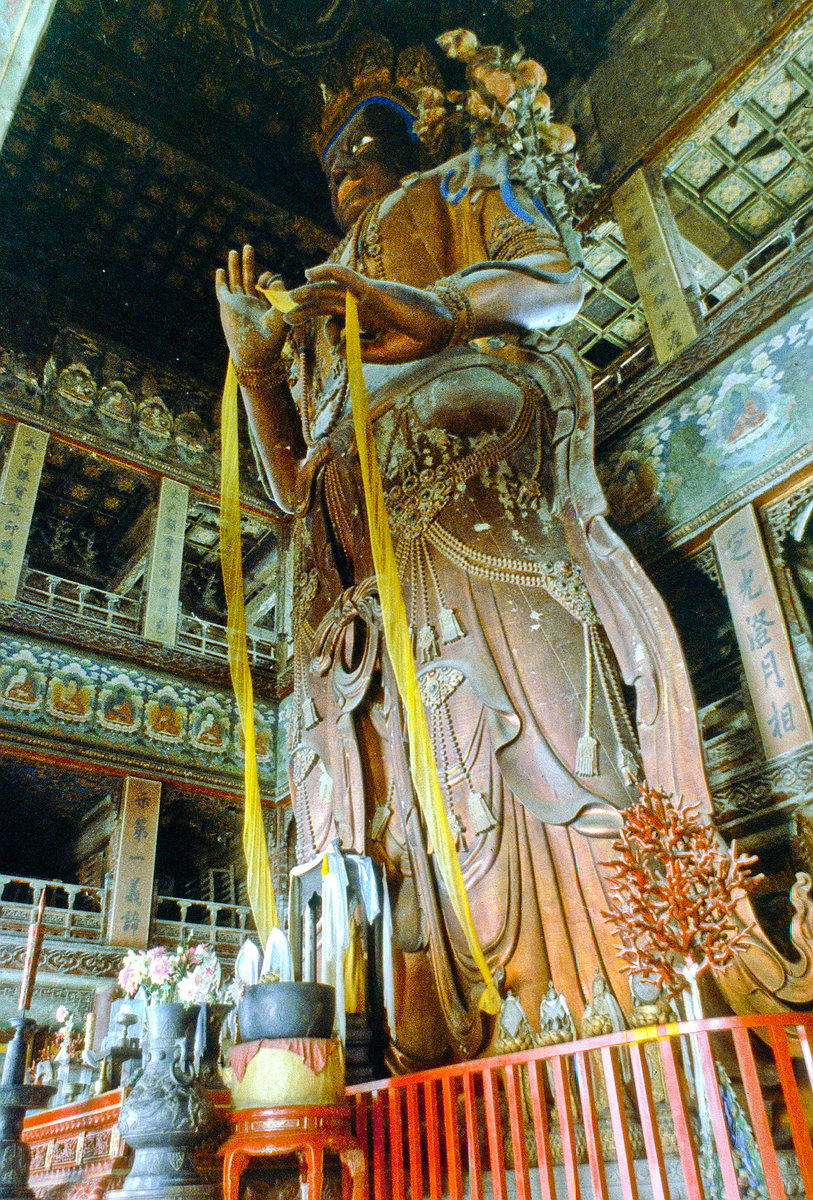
x: 258, y: 871
x: 396, y: 635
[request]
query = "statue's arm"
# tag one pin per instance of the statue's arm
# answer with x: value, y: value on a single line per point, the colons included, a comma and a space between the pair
x: 538, y: 291
x: 401, y: 323
x: 256, y: 334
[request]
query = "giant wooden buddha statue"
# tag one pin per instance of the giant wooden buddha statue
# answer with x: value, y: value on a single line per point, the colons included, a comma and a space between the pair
x: 529, y: 615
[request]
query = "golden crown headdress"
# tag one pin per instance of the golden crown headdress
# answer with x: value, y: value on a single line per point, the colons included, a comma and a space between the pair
x: 372, y: 73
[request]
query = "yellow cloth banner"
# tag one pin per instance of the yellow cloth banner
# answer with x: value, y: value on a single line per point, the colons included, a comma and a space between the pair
x: 396, y: 634
x: 258, y: 871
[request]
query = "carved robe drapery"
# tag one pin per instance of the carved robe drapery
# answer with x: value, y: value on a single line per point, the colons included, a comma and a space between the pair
x: 526, y: 611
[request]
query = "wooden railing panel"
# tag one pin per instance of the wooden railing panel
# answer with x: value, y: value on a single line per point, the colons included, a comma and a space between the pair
x: 472, y: 1137
x: 618, y: 1119
x: 452, y: 1131
x: 595, y: 1158
x: 516, y: 1116
x: 649, y: 1124
x: 494, y: 1132
x: 759, y: 1118
x: 567, y: 1128
x: 717, y: 1116
x: 539, y: 1112
x: 412, y: 1144
x: 680, y: 1119
x: 796, y: 1116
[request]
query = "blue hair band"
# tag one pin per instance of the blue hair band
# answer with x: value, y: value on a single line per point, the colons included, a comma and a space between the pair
x: 387, y: 101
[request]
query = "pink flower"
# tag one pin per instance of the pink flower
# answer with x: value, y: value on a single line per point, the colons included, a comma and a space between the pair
x: 160, y: 969
x: 61, y: 1015
x: 127, y: 982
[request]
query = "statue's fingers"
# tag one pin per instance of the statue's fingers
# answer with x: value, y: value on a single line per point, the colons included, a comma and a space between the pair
x: 270, y: 281
x: 249, y: 267
x: 335, y: 272
x: 320, y: 299
x: 235, y: 281
x: 222, y: 288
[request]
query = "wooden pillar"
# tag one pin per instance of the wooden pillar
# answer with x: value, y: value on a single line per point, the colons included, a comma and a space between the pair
x: 283, y: 623
x: 658, y: 267
x: 759, y: 623
x: 131, y: 905
x: 163, y: 582
x: 19, y: 485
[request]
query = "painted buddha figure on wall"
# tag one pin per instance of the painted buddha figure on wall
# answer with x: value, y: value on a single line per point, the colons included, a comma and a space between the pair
x: 548, y: 666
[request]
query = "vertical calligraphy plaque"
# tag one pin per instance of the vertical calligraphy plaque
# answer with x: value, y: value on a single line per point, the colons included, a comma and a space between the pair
x: 759, y: 623
x: 19, y: 485
x: 166, y: 559
x: 131, y: 905
x: 672, y: 324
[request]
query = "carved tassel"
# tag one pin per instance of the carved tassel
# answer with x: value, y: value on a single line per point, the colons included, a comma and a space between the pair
x: 587, y: 746
x: 450, y: 628
x: 310, y: 716
x: 482, y: 817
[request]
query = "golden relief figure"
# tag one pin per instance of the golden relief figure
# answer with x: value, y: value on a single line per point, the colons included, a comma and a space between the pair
x: 528, y: 614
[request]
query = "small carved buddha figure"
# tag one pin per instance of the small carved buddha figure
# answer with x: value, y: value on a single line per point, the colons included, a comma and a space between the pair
x: 525, y: 608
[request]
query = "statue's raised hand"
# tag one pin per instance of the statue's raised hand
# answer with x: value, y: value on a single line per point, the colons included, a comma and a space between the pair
x: 254, y: 330
x: 399, y: 323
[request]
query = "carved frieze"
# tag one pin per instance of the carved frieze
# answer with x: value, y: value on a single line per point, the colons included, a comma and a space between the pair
x: 763, y: 786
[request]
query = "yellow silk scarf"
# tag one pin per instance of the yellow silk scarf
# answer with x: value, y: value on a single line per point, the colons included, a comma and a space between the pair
x: 258, y: 872
x: 399, y: 647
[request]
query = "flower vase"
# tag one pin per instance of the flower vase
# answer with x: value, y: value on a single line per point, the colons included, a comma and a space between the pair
x: 167, y: 1112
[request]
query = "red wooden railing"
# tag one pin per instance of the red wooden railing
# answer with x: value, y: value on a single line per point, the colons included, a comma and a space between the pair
x: 554, y: 1121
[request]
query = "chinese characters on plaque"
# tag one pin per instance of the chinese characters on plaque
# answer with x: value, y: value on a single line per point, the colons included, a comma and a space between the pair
x: 19, y: 485
x: 131, y: 905
x: 164, y: 575
x: 672, y: 324
x: 779, y: 703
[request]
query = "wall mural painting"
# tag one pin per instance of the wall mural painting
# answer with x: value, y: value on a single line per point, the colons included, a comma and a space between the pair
x: 45, y: 688
x: 744, y: 419
x: 283, y: 721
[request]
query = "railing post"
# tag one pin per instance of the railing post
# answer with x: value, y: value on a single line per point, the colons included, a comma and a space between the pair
x: 796, y: 1116
x: 759, y: 1118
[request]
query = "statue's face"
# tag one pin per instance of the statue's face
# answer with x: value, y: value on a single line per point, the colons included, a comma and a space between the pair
x: 366, y: 160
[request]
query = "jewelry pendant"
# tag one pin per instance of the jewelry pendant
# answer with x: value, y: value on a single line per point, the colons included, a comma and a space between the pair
x: 450, y: 628
x: 427, y: 644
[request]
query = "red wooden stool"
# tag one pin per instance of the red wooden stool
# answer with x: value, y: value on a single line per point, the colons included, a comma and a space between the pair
x: 304, y: 1130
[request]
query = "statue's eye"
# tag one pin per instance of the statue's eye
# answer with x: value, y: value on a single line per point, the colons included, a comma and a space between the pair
x: 361, y: 143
